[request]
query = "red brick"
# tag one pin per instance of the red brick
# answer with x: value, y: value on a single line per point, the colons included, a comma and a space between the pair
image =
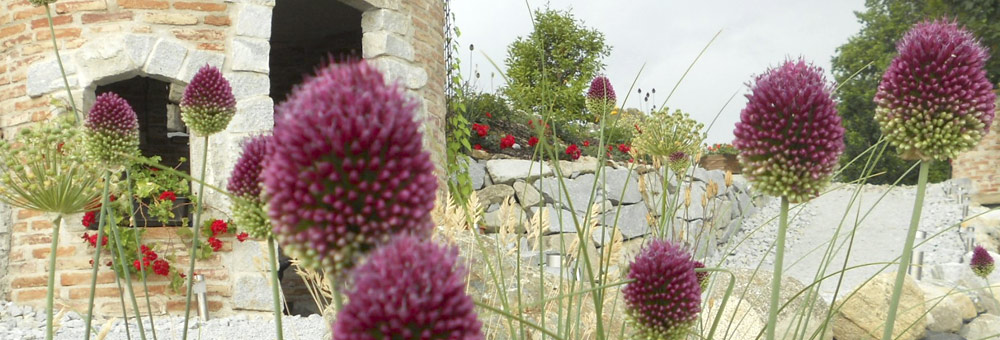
x: 11, y: 30
x: 28, y: 13
x: 176, y: 306
x: 69, y: 32
x: 13, y: 92
x: 30, y: 294
x: 199, y: 35
x: 217, y: 20
x: 56, y: 21
x: 28, y: 213
x: 29, y: 281
x: 84, y: 292
x: 41, y: 225
x: 20, y: 227
x: 201, y: 6
x: 73, y: 279
x: 90, y: 18
x: 211, y: 47
x: 25, y: 105
x: 80, y: 6
x: 18, y: 40
x: 41, y: 253
x: 143, y: 4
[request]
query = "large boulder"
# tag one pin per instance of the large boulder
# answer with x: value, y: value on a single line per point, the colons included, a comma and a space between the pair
x: 948, y: 308
x: 579, y: 190
x: 752, y: 310
x: 864, y: 312
x: 506, y: 171
x: 527, y: 195
x: 622, y: 185
x: 986, y: 326
x: 494, y: 194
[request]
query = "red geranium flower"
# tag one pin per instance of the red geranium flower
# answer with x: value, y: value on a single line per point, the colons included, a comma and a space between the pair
x: 573, y: 151
x: 477, y: 147
x: 138, y: 266
x: 586, y: 143
x: 89, y: 219
x: 488, y: 115
x: 215, y: 243
x: 242, y: 236
x: 611, y: 148
x: 168, y: 195
x: 92, y: 239
x: 219, y: 227
x: 481, y: 130
x: 532, y: 141
x: 161, y: 267
x: 624, y: 148
x: 507, y: 142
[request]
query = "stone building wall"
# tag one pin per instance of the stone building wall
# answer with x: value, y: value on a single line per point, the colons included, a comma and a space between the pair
x: 982, y: 166
x: 107, y: 41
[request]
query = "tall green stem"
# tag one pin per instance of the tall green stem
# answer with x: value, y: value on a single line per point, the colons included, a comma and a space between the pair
x: 52, y: 276
x: 128, y: 280
x: 97, y: 254
x: 779, y: 256
x: 338, y: 301
x: 192, y: 252
x: 274, y: 287
x: 138, y: 249
x: 904, y: 260
x: 55, y: 46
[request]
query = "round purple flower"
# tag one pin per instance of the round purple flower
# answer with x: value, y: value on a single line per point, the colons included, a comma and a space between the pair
x: 982, y: 262
x: 789, y: 135
x: 934, y: 100
x: 601, y: 96
x: 409, y: 289
x: 702, y: 276
x: 664, y: 299
x: 244, y: 182
x: 112, y: 130
x: 347, y: 169
x: 208, y: 104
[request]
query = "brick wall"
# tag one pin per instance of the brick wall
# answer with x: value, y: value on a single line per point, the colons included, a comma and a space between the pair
x: 982, y: 165
x: 105, y: 41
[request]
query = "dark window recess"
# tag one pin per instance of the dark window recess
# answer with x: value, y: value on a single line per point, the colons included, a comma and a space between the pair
x: 161, y: 131
x: 306, y: 34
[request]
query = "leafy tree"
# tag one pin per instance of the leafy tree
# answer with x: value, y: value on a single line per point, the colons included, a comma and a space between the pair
x: 884, y: 23
x: 549, y: 70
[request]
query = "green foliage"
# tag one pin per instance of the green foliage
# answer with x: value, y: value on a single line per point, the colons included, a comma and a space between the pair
x: 884, y: 22
x: 150, y: 183
x: 44, y: 169
x: 549, y: 70
x: 457, y: 130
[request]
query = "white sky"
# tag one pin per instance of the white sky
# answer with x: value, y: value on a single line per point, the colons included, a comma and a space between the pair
x: 667, y: 35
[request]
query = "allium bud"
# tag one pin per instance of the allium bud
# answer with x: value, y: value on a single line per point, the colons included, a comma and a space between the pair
x: 112, y: 130
x: 208, y: 104
x: 982, y: 262
x: 245, y: 183
x: 601, y: 96
x: 346, y: 169
x: 789, y: 135
x: 409, y: 289
x: 934, y: 100
x: 664, y: 299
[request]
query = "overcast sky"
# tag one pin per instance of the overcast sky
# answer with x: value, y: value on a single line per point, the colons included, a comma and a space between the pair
x: 667, y: 35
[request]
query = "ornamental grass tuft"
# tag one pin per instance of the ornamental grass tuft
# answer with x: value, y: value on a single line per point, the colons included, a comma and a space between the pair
x: 934, y: 100
x: 347, y: 169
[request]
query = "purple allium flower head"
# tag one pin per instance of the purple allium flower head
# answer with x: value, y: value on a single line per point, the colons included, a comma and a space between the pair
x: 601, y: 96
x: 665, y: 297
x: 982, y: 262
x: 208, y: 104
x: 346, y: 169
x: 702, y: 276
x: 934, y: 100
x: 245, y: 183
x: 409, y: 289
x: 789, y: 135
x: 112, y: 130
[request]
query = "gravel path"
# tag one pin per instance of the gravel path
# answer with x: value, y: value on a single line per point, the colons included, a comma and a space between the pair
x: 25, y: 323
x: 879, y: 238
